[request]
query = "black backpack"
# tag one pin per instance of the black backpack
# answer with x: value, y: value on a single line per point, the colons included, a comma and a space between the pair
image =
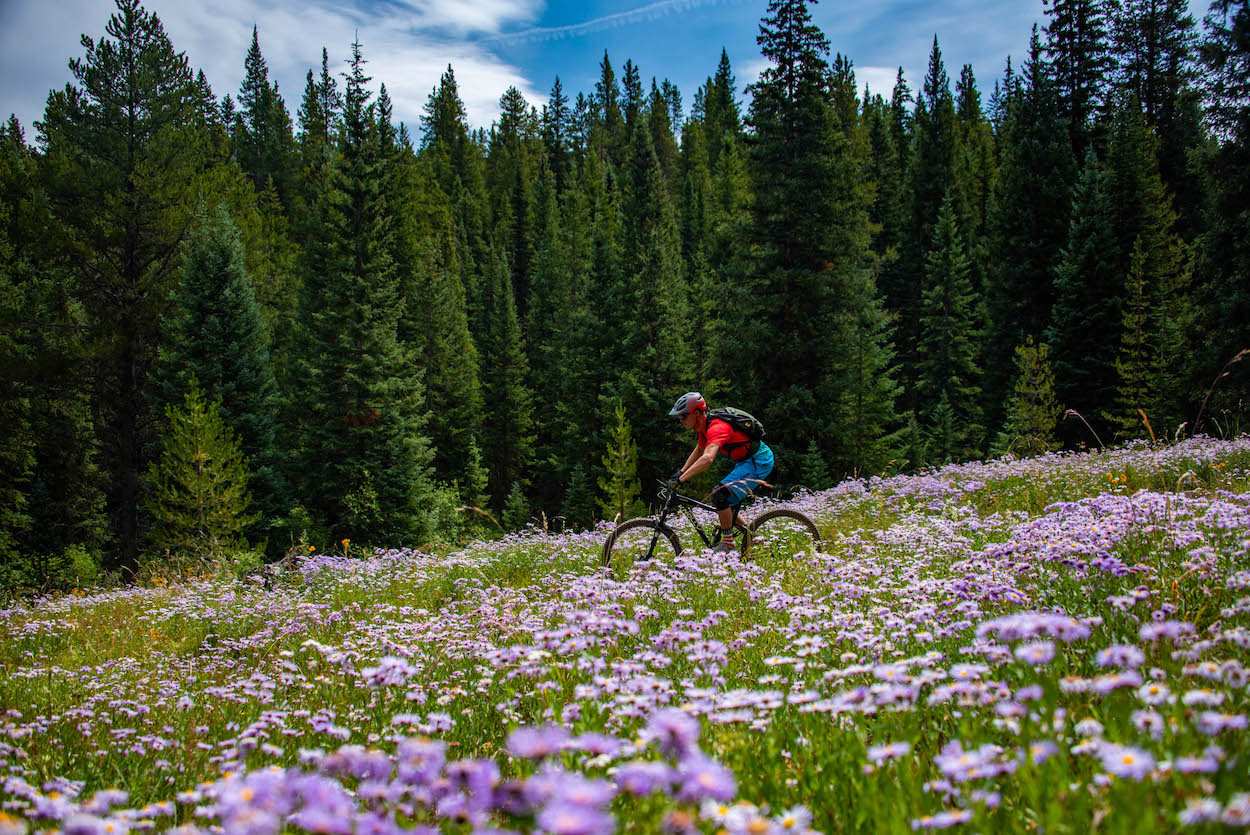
x: 744, y: 423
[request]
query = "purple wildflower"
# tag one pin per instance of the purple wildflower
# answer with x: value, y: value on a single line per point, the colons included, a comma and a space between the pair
x: 570, y: 819
x: 536, y: 743
x: 1036, y: 652
x: 942, y: 820
x: 1126, y: 761
x: 641, y: 777
x: 674, y: 731
x: 703, y: 778
x: 1125, y: 656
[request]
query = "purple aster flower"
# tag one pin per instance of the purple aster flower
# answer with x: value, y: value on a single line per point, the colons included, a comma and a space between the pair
x: 80, y: 824
x: 570, y: 819
x: 354, y: 760
x: 703, y: 778
x: 536, y: 743
x: 595, y: 743
x: 420, y: 761
x: 1168, y: 629
x: 1036, y: 652
x: 1126, y: 761
x: 322, y: 820
x: 878, y: 754
x: 942, y: 820
x: 1030, y: 693
x: 1196, y: 765
x: 1148, y: 722
x: 641, y: 777
x: 1199, y: 810
x: 674, y: 731
x: 1125, y: 656
x: 1212, y: 723
x: 1042, y: 750
x: 583, y: 791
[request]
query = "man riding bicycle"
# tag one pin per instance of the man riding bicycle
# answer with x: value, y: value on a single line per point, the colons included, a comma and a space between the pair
x: 753, y: 460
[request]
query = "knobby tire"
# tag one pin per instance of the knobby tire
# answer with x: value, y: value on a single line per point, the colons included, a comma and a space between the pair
x: 666, y: 533
x: 783, y: 513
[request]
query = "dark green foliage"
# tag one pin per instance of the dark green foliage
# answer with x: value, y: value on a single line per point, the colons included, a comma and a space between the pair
x: 1222, y: 274
x: 516, y: 510
x: 1084, y: 332
x: 264, y: 135
x: 1028, y: 223
x: 198, y: 498
x: 1144, y: 229
x: 1079, y: 47
x: 949, y: 387
x: 216, y: 336
x: 815, y: 473
x: 620, y: 485
x: 1033, y: 412
x: 360, y: 458
x: 507, y: 431
x: 579, y: 500
x: 123, y: 143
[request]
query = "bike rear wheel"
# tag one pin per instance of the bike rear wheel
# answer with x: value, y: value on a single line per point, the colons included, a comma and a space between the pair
x: 782, y: 532
x: 630, y: 540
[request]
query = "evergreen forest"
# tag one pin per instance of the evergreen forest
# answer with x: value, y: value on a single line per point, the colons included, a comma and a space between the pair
x: 237, y: 322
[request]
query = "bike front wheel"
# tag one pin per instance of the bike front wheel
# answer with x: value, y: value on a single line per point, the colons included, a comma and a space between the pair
x: 629, y: 541
x: 782, y: 532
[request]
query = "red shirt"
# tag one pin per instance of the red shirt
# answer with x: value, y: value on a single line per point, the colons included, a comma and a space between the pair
x: 717, y: 431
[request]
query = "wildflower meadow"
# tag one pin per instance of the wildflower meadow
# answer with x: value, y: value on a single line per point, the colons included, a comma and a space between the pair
x: 1056, y: 644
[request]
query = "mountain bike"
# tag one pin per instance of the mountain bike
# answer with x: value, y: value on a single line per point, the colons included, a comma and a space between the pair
x: 781, y: 530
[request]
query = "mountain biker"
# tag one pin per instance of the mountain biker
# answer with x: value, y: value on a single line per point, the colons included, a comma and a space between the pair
x: 719, y: 436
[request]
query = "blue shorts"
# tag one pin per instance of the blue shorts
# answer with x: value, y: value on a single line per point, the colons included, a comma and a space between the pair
x: 748, y: 475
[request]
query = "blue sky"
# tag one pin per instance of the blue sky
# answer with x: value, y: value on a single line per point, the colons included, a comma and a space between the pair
x: 492, y: 44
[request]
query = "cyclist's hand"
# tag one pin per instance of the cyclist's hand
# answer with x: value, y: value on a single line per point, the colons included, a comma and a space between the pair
x: 674, y: 480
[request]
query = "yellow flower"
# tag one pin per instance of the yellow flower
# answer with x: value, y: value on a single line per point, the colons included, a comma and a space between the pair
x: 345, y: 542
x: 312, y: 548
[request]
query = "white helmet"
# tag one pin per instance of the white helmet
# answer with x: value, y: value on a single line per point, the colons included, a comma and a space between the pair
x: 687, y: 403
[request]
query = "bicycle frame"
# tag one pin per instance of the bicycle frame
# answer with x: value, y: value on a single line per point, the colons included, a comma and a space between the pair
x: 670, y: 497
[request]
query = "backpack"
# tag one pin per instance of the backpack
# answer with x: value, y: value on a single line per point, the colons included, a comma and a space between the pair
x: 744, y: 423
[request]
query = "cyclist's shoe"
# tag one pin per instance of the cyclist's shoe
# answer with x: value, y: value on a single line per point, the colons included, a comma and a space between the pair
x: 722, y: 548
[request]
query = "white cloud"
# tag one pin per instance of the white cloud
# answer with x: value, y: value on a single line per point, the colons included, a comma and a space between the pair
x: 408, y: 45
x: 880, y: 80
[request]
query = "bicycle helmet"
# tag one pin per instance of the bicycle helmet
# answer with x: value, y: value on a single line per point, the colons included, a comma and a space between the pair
x: 687, y: 403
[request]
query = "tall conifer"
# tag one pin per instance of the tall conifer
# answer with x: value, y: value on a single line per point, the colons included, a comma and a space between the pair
x: 361, y: 461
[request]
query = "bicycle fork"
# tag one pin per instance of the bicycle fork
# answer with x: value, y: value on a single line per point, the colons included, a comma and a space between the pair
x: 659, y: 525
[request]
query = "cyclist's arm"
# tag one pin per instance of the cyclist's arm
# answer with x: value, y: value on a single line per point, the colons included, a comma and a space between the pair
x: 694, y: 466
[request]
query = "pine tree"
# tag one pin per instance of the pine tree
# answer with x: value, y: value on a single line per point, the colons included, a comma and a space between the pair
x: 516, y: 509
x: 216, y: 337
x: 1146, y: 221
x: 557, y: 135
x: 198, y: 499
x: 783, y: 353
x: 1133, y: 360
x: 815, y: 472
x: 606, y: 111
x: 949, y: 379
x: 1083, y: 336
x: 1033, y: 412
x: 722, y: 116
x: 361, y: 460
x: 621, y: 486
x: 1223, y: 252
x: 579, y: 500
x: 1157, y: 41
x: 930, y: 176
x: 124, y: 141
x: 266, y: 144
x: 1028, y: 223
x: 656, y: 312
x: 1078, y: 45
x: 507, y: 432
